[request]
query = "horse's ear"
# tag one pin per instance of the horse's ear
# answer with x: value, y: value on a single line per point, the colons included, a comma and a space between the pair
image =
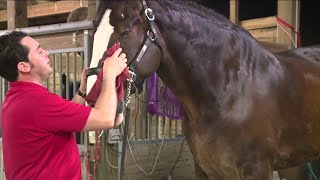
x: 133, y: 7
x: 134, y: 4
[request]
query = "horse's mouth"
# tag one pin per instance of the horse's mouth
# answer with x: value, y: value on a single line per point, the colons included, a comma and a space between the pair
x: 133, y: 89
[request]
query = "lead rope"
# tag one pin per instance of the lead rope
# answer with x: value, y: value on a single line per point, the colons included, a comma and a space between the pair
x: 128, y: 97
x: 126, y: 125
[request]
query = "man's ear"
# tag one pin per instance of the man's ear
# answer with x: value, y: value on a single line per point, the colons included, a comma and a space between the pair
x: 24, y: 67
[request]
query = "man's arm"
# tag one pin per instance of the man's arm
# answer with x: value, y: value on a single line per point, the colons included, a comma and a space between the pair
x: 83, y: 89
x: 102, y: 116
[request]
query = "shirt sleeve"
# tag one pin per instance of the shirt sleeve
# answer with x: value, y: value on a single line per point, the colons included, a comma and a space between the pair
x: 59, y: 115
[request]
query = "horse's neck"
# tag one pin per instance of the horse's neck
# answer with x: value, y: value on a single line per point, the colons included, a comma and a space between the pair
x: 201, y: 50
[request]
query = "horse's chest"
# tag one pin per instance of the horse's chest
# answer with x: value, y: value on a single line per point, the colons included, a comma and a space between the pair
x: 210, y: 148
x: 215, y: 156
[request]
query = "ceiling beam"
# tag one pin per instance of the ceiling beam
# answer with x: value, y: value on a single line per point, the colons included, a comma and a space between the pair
x: 17, y: 11
x: 49, y: 9
x: 46, y: 20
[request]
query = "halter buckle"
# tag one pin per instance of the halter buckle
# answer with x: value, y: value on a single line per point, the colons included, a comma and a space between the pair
x: 150, y: 36
x: 132, y: 76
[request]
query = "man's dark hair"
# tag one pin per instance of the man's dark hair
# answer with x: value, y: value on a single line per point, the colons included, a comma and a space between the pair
x: 11, y: 53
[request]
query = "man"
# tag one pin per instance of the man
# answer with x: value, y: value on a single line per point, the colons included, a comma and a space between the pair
x: 38, y: 126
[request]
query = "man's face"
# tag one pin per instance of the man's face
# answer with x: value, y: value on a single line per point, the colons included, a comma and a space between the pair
x: 38, y: 58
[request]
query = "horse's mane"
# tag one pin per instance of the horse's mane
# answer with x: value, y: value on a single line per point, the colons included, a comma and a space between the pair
x: 102, y: 7
x: 187, y: 7
x: 196, y: 22
x: 195, y: 12
x: 181, y: 6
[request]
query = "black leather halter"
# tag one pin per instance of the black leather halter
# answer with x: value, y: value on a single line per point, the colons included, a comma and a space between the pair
x: 151, y: 36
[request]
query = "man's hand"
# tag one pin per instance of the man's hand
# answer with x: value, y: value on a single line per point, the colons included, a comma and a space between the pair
x: 114, y: 65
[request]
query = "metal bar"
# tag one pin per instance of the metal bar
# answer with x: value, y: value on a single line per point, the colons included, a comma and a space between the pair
x: 67, y: 78
x: 170, y: 127
x: 151, y: 119
x: 143, y: 114
x: 147, y: 126
x: 60, y: 69
x: 157, y: 126
x: 67, y: 50
x: 82, y: 61
x: 87, y: 50
x: 164, y: 129
x: 135, y: 119
x: 55, y: 28
x: 176, y: 129
x: 86, y: 53
x: 170, y: 120
x: 54, y: 74
x: 158, y: 117
x: 75, y: 76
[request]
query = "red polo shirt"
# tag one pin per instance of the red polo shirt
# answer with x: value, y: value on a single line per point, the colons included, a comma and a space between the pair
x: 37, y: 134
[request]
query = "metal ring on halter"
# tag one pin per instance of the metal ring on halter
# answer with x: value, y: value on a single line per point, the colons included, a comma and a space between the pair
x: 152, y: 38
x: 147, y: 11
x: 132, y: 76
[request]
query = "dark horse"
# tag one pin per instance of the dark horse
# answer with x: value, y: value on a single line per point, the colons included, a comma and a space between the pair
x: 248, y: 111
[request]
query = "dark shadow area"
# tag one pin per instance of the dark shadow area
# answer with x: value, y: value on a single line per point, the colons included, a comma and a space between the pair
x: 309, y: 23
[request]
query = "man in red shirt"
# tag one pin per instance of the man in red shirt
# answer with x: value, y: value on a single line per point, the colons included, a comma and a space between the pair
x: 38, y: 126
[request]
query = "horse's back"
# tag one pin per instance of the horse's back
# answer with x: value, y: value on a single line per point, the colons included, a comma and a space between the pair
x: 310, y: 53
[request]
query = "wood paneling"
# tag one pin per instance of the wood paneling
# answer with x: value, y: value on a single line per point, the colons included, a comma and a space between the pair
x: 47, y: 9
x: 60, y: 41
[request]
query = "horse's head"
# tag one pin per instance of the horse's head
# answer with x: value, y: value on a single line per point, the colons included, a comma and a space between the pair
x: 131, y: 23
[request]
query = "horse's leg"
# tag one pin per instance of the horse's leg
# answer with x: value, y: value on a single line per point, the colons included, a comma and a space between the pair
x: 256, y: 170
x: 295, y: 173
x: 200, y: 174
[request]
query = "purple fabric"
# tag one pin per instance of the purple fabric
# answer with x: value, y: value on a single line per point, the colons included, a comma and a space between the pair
x: 161, y: 101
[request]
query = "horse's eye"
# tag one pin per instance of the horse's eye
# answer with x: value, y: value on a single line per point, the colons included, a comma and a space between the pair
x: 124, y: 34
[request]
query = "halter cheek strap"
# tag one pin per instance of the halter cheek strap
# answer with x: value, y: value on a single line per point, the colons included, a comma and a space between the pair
x: 151, y: 36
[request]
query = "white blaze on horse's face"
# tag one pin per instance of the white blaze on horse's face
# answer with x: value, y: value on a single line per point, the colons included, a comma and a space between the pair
x: 100, y: 44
